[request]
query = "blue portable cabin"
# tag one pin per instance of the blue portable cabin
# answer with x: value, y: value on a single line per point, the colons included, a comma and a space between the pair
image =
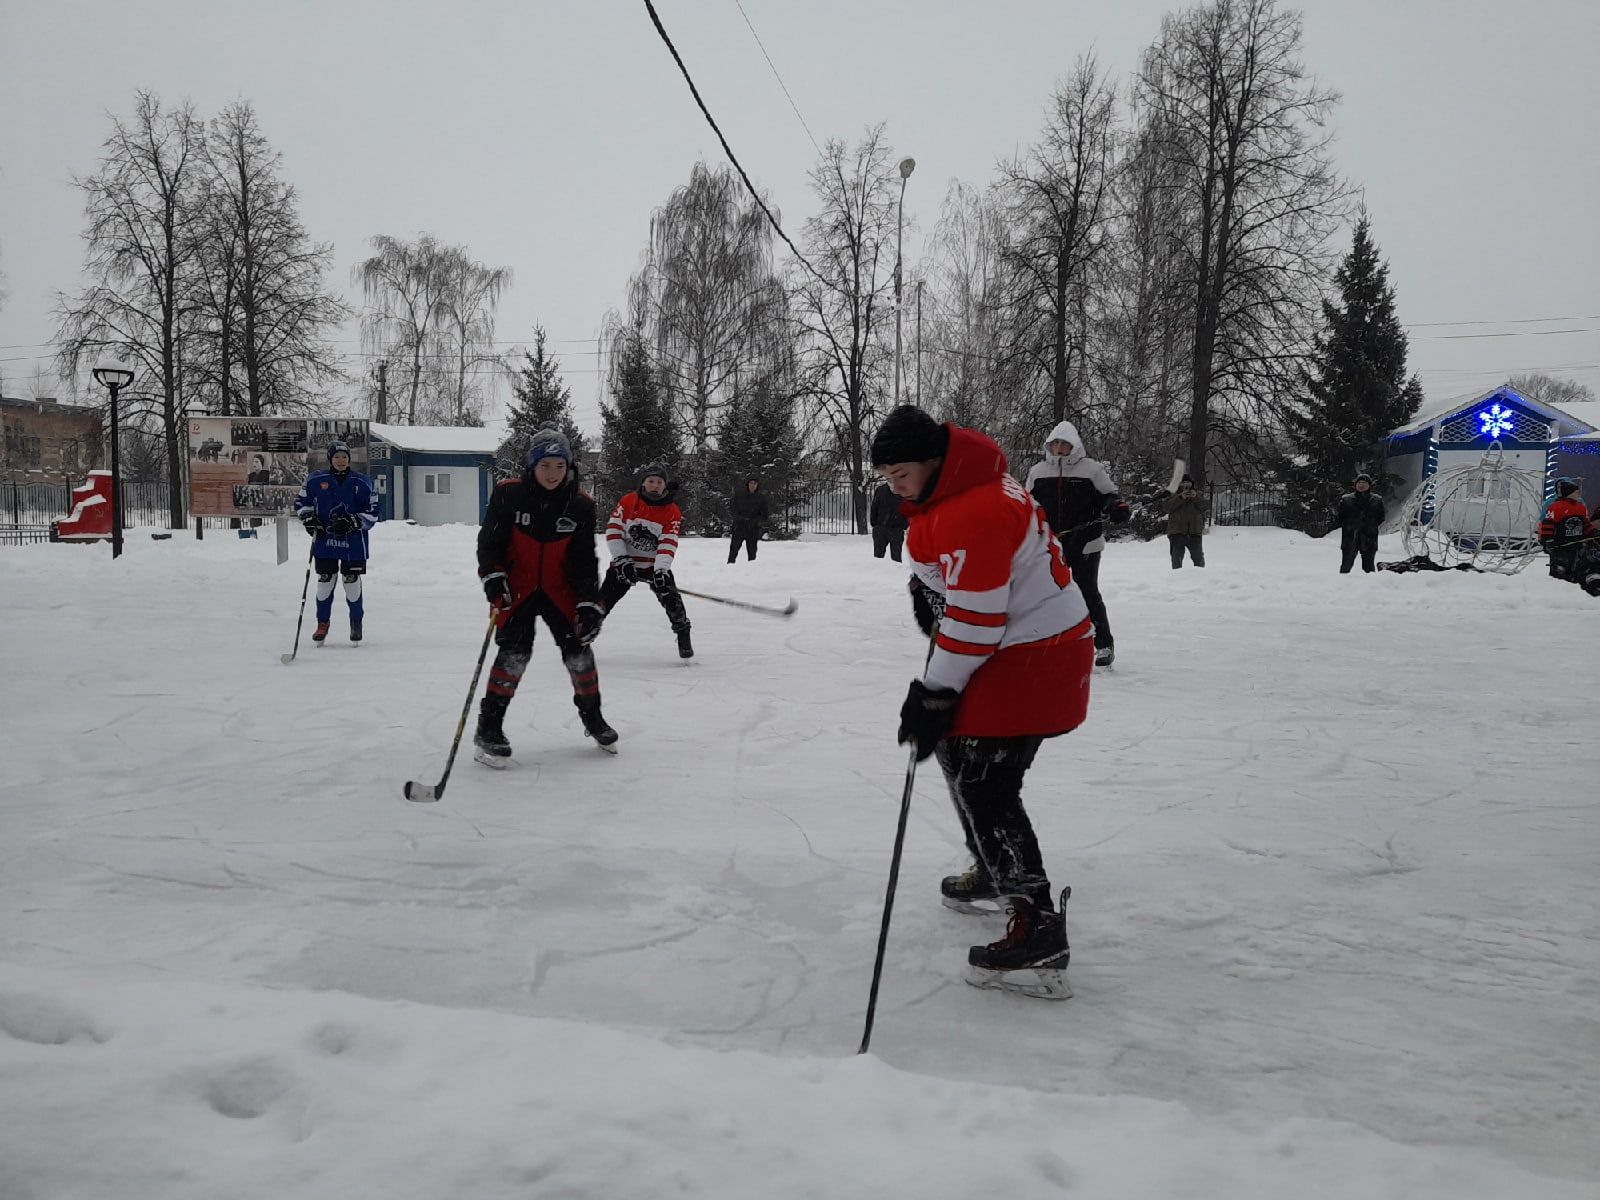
x: 433, y: 474
x: 1453, y: 433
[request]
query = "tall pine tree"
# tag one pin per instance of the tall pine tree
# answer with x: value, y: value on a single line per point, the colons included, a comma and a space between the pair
x: 636, y: 428
x: 540, y: 400
x: 757, y: 438
x: 1357, y: 392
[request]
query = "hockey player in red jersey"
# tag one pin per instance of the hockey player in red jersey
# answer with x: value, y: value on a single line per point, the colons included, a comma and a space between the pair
x: 536, y: 560
x: 1569, y: 536
x: 1013, y: 650
x: 642, y: 538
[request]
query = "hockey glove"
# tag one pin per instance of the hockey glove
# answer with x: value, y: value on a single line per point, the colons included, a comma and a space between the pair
x: 343, y: 524
x: 662, y: 582
x: 312, y: 524
x: 497, y: 590
x: 1119, y: 512
x: 927, y: 716
x: 586, y: 624
x: 927, y: 606
x: 625, y: 570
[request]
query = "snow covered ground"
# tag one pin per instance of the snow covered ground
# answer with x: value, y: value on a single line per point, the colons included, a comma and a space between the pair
x: 1334, y: 845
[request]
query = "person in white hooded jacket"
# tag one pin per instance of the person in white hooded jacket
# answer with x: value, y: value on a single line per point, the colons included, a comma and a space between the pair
x: 1078, y: 497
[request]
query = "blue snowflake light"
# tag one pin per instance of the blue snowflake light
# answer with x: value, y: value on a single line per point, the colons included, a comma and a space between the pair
x: 1495, y: 421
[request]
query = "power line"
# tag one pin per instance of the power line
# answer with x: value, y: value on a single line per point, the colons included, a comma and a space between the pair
x: 776, y: 76
x: 1455, y: 337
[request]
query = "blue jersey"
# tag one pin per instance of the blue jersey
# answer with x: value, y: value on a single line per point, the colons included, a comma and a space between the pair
x: 325, y: 494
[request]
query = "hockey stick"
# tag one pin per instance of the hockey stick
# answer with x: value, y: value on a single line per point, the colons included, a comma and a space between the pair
x: 888, y: 898
x: 787, y: 610
x: 421, y: 792
x: 300, y: 621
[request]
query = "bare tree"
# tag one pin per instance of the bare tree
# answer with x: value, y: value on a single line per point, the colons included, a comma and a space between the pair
x: 467, y: 319
x: 850, y: 243
x: 414, y: 302
x: 1243, y: 132
x: 1551, y: 389
x: 262, y: 294
x: 141, y: 249
x: 1058, y: 200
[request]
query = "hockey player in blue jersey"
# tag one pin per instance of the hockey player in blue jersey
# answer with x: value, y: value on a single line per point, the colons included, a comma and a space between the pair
x: 338, y: 507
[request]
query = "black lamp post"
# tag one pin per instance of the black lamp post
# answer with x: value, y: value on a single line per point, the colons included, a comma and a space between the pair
x: 115, y: 375
x: 907, y: 165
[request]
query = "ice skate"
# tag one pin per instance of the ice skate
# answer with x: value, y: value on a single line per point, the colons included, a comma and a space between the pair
x: 685, y: 647
x: 967, y: 892
x: 1032, y: 957
x: 595, y: 726
x: 320, y: 634
x: 355, y: 631
x: 489, y: 743
x: 1104, y: 656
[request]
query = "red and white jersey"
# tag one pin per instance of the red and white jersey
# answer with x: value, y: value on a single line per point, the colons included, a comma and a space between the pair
x: 1015, y: 639
x: 644, y: 531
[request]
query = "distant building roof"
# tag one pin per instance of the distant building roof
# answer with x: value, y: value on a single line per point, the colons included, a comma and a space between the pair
x: 1573, y: 418
x: 441, y: 439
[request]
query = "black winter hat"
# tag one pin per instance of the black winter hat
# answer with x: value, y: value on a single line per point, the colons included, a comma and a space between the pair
x: 909, y: 435
x: 1566, y: 486
x: 337, y: 448
x: 654, y: 468
x: 1364, y: 476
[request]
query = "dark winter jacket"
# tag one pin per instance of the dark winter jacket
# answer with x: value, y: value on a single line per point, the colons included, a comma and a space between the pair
x: 1077, y: 495
x: 543, y: 540
x: 885, y: 512
x: 1186, y: 515
x: 749, y: 509
x: 1360, y: 515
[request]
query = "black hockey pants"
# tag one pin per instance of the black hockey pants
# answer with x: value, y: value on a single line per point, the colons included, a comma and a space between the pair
x: 985, y: 779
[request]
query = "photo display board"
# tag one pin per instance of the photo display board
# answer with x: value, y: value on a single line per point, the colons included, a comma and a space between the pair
x: 254, y: 466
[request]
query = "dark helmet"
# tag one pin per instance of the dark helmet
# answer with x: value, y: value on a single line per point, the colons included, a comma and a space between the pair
x: 337, y: 447
x: 1567, y: 486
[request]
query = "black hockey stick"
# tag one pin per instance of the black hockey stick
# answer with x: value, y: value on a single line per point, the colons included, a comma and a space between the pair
x: 305, y: 588
x: 767, y: 610
x: 888, y: 898
x: 422, y: 792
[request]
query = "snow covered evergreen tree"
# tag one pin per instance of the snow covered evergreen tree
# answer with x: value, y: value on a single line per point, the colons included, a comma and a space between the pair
x: 757, y: 437
x: 636, y: 428
x: 540, y: 400
x: 1357, y: 392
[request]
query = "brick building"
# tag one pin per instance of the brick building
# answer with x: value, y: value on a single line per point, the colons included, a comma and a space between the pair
x: 47, y: 442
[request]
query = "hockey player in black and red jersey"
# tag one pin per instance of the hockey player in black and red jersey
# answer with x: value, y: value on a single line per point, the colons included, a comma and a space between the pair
x: 536, y: 559
x: 1010, y: 665
x: 642, y: 538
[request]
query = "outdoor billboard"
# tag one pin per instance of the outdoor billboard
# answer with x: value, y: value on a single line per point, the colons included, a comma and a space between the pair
x: 254, y: 466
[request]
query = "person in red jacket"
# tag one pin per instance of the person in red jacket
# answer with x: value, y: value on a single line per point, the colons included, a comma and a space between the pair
x: 1569, y: 537
x: 642, y: 537
x: 1013, y: 650
x: 536, y: 560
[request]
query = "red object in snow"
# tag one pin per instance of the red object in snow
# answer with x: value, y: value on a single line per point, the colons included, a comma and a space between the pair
x: 91, y: 511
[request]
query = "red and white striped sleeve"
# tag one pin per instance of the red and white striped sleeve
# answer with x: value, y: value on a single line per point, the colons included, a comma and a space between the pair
x: 616, y: 532
x: 667, y: 548
x: 976, y: 563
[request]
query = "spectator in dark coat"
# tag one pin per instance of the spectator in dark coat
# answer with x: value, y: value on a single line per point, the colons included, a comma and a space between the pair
x: 888, y: 524
x: 1360, y: 515
x: 1186, y: 523
x: 750, y: 511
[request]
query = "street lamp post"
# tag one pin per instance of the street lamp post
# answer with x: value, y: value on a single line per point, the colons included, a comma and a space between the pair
x: 115, y: 374
x: 907, y: 165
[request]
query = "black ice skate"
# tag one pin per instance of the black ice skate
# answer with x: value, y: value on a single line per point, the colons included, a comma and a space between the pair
x: 1031, y: 957
x: 595, y: 726
x: 355, y: 631
x: 489, y: 743
x: 963, y: 892
x: 320, y: 634
x: 1104, y: 656
x: 685, y: 648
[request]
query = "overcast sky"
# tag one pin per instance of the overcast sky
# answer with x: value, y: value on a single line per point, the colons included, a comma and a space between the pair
x: 541, y: 134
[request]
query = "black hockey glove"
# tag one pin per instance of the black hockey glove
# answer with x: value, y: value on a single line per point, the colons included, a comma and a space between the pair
x: 497, y: 589
x: 927, y: 606
x: 927, y: 716
x: 662, y: 581
x: 1119, y: 512
x: 586, y: 624
x: 342, y: 524
x: 626, y: 571
x: 312, y: 524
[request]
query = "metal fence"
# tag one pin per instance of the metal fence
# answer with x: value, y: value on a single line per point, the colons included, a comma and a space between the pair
x: 144, y: 505
x: 829, y: 508
x: 1246, y: 506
